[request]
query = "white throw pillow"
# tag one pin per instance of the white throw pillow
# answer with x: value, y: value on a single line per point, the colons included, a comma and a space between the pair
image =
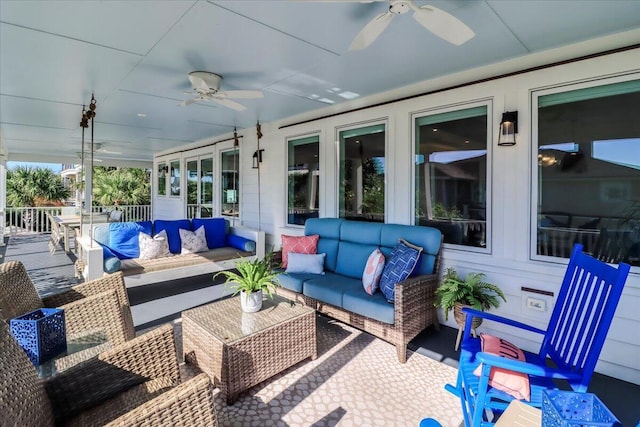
x: 193, y: 241
x: 305, y: 263
x: 153, y: 247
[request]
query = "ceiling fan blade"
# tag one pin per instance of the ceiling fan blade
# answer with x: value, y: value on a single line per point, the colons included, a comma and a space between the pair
x: 443, y: 24
x: 240, y: 94
x: 230, y: 104
x: 371, y: 31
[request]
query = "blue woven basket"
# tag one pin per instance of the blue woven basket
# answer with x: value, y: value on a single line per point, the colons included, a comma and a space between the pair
x: 41, y: 333
x: 570, y: 409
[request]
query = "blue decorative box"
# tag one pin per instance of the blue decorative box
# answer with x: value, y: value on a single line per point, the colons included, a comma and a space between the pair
x: 571, y: 409
x: 41, y: 333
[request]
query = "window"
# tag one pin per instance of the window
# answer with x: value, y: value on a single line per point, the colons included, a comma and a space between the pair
x: 230, y: 182
x: 175, y: 177
x: 451, y: 174
x: 362, y: 173
x: 162, y: 179
x: 588, y: 172
x: 303, y: 179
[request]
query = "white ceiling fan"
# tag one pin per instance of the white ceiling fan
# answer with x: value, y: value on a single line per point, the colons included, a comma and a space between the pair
x: 207, y: 86
x: 439, y: 22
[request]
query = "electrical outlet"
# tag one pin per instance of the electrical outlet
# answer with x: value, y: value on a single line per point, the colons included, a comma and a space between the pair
x: 536, y: 304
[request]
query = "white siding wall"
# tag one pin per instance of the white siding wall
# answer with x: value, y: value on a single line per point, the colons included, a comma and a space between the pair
x: 508, y: 264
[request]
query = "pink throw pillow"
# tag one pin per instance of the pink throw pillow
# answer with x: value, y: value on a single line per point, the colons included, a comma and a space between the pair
x: 514, y: 383
x: 373, y: 271
x: 299, y: 245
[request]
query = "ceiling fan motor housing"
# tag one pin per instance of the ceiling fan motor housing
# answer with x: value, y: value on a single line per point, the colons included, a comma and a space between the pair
x: 212, y: 80
x: 399, y: 6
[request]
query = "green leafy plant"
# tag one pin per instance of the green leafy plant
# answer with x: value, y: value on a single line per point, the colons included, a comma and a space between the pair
x: 472, y: 290
x: 252, y: 276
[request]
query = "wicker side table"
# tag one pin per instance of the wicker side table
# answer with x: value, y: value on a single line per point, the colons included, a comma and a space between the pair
x: 239, y: 350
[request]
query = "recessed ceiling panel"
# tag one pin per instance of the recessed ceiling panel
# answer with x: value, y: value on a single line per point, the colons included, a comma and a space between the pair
x: 131, y: 26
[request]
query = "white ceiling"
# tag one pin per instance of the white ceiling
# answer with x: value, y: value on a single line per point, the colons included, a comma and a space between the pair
x: 135, y: 57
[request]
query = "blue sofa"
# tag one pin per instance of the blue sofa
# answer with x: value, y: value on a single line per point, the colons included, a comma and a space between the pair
x: 115, y: 248
x: 339, y: 291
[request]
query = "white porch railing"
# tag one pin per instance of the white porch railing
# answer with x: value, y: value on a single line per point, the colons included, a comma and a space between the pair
x: 34, y: 219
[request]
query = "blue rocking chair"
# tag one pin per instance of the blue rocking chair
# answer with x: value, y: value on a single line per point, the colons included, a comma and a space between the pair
x: 572, y: 342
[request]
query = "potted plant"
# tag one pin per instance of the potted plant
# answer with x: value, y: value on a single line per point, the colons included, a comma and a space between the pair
x: 456, y: 293
x: 250, y: 281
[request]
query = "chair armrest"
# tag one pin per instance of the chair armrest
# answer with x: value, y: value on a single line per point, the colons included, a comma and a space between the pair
x: 189, y: 404
x: 251, y: 234
x: 491, y: 360
x: 414, y: 297
x: 97, y: 312
x: 113, y: 281
x: 471, y: 313
x: 149, y: 356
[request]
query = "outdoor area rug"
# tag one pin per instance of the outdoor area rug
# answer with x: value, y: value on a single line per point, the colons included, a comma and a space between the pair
x: 355, y: 381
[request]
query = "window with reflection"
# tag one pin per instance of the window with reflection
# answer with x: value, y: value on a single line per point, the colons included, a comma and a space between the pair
x: 362, y: 173
x: 588, y: 172
x: 451, y: 174
x: 161, y: 188
x: 303, y: 179
x: 175, y: 177
x: 230, y: 182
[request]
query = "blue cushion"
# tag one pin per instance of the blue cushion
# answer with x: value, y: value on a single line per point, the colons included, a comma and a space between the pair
x: 330, y: 248
x: 239, y: 242
x: 173, y: 235
x: 352, y: 258
x: 215, y: 229
x: 400, y: 264
x: 362, y: 232
x: 375, y: 306
x: 329, y: 231
x: 428, y: 238
x: 110, y: 262
x: 293, y: 281
x: 123, y: 238
x: 101, y: 234
x: 329, y: 288
x: 305, y: 263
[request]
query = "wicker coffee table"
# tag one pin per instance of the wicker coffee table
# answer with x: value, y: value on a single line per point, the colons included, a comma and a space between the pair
x: 239, y: 350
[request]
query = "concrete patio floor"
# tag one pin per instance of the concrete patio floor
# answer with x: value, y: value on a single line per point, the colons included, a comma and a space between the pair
x: 160, y: 303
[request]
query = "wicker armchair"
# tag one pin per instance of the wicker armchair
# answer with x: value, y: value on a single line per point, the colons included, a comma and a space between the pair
x: 136, y: 383
x: 99, y: 305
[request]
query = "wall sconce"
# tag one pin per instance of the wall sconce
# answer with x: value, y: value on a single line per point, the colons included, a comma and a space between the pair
x: 257, y: 158
x: 508, y: 128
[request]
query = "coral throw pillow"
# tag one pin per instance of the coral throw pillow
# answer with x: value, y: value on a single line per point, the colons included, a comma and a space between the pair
x: 299, y: 245
x: 373, y: 271
x: 514, y: 383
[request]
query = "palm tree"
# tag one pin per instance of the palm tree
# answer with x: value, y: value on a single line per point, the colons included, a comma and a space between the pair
x: 121, y: 186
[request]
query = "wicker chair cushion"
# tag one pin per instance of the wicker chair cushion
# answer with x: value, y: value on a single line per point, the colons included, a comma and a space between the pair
x: 122, y: 403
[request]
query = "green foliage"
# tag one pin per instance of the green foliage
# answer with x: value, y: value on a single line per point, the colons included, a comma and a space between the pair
x: 121, y: 186
x: 441, y: 212
x: 28, y: 186
x: 252, y: 276
x: 473, y: 291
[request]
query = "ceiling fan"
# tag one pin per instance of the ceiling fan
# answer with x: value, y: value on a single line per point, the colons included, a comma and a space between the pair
x: 439, y: 22
x: 207, y: 86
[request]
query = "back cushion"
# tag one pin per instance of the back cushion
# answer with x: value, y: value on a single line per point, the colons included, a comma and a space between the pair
x: 123, y: 238
x: 172, y: 227
x: 329, y: 231
x: 428, y: 238
x: 352, y: 259
x: 215, y: 229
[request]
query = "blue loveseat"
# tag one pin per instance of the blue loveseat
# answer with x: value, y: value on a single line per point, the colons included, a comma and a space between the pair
x: 339, y: 291
x: 115, y: 247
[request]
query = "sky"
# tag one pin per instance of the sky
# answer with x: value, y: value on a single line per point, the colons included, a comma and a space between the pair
x: 56, y: 167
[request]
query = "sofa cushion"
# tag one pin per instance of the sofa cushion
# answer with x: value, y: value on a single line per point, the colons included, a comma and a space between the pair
x: 375, y: 306
x: 241, y: 243
x: 352, y: 258
x: 305, y: 263
x: 193, y: 241
x: 153, y: 247
x: 329, y: 231
x: 298, y: 244
x: 400, y: 264
x: 367, y: 233
x: 215, y: 230
x: 123, y: 238
x: 293, y: 281
x: 373, y: 272
x: 329, y: 288
x: 173, y: 235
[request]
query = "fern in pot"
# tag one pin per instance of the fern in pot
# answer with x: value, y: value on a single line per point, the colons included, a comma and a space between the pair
x: 454, y: 293
x: 252, y: 279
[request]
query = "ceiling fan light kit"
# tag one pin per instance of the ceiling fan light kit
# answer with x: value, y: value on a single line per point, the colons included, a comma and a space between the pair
x: 439, y: 22
x: 207, y: 86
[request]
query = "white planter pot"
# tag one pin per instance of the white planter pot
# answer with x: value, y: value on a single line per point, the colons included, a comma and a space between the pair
x: 251, y: 302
